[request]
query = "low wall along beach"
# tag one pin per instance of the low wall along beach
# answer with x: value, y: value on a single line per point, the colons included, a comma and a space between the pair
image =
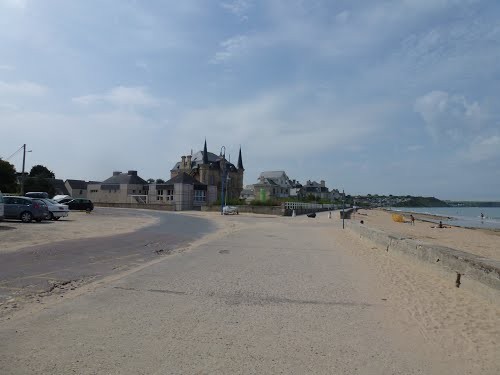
x: 478, y: 274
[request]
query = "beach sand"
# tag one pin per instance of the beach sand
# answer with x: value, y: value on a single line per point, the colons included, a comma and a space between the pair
x: 481, y: 242
x: 15, y: 235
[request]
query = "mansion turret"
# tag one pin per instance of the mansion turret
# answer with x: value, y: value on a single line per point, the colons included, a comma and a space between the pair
x: 209, y: 169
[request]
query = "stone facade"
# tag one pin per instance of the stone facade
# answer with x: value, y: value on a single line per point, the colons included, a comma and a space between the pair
x: 211, y: 170
x: 119, y: 188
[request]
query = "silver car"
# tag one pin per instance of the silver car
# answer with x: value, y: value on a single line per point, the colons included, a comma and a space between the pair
x: 24, y: 209
x: 56, y: 209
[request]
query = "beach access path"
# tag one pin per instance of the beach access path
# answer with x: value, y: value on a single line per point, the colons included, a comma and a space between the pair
x: 264, y: 295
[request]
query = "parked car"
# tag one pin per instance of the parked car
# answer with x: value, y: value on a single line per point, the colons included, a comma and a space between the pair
x: 60, y: 198
x: 56, y: 210
x: 80, y: 204
x: 1, y: 206
x: 230, y: 210
x: 24, y: 209
x: 36, y: 194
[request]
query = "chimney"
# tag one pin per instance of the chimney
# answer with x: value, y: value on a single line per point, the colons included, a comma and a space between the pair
x: 322, y: 183
x: 132, y: 173
x: 188, y: 162
x: 116, y: 173
x: 183, y: 162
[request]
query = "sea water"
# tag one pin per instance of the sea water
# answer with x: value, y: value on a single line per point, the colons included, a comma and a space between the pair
x: 461, y: 216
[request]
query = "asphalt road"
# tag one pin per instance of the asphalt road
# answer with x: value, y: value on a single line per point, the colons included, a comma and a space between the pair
x: 281, y: 296
x: 39, y: 269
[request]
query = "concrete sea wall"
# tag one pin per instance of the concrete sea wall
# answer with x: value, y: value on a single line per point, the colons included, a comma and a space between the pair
x: 465, y: 270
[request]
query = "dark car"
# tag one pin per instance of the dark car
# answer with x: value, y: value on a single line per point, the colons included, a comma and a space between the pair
x: 24, y: 209
x: 80, y: 204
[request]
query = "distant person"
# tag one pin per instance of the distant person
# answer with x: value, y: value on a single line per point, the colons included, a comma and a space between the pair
x: 412, y: 219
x: 440, y: 224
x: 482, y: 216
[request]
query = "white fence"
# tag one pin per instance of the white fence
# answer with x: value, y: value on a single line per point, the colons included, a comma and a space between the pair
x: 301, y: 205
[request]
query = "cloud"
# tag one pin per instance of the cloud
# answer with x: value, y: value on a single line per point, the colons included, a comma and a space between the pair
x: 238, y: 7
x: 276, y: 126
x: 122, y: 96
x: 448, y: 116
x: 231, y: 48
x: 484, y: 148
x: 22, y: 88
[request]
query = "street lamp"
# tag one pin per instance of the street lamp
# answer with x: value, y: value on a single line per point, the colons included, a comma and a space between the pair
x: 223, y: 177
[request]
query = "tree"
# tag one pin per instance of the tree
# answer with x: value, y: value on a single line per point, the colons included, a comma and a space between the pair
x: 8, y: 181
x: 151, y: 180
x: 41, y: 171
x: 39, y: 184
x: 160, y: 181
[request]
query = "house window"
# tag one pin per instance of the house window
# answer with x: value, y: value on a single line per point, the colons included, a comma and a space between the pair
x: 159, y: 192
x: 133, y: 191
x: 199, y: 195
x: 81, y: 191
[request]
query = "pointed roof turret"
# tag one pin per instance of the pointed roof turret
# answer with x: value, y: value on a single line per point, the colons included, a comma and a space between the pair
x: 240, y: 161
x: 205, y: 153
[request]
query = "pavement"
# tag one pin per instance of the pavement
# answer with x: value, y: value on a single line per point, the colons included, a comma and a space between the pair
x: 37, y: 270
x: 280, y: 296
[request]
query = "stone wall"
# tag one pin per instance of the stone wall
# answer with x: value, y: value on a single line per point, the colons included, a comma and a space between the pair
x: 465, y: 270
x: 155, y: 206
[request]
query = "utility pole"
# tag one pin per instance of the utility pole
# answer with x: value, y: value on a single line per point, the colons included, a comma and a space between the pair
x: 343, y: 208
x: 223, y: 177
x: 22, y: 174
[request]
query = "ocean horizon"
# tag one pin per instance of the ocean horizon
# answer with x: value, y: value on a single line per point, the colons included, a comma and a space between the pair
x: 461, y: 216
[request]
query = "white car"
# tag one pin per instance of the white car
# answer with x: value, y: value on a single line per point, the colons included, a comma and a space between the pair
x: 56, y: 210
x: 230, y: 210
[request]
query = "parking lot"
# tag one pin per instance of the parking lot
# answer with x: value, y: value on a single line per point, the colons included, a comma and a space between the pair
x: 15, y: 235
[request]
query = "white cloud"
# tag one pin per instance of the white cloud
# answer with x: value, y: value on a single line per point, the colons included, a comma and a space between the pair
x: 484, y: 148
x: 448, y: 116
x: 23, y: 88
x: 276, y: 126
x: 123, y: 96
x: 231, y: 48
x: 237, y: 7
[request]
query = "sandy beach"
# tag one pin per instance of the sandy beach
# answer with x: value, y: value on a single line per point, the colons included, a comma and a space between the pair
x: 481, y: 242
x: 15, y: 235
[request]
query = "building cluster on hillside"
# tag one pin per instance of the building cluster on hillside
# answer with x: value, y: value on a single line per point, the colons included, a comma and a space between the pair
x: 195, y: 180
x: 277, y: 185
x: 380, y: 200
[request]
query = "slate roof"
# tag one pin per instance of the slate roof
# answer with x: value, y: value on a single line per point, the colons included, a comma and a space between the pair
x: 183, y: 178
x: 77, y: 184
x: 213, y: 161
x: 125, y: 178
x: 272, y: 174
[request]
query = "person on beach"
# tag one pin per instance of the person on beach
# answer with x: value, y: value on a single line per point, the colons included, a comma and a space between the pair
x: 482, y: 216
x: 440, y: 224
x: 412, y: 220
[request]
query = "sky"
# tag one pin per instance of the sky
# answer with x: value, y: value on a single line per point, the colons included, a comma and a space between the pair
x: 380, y: 97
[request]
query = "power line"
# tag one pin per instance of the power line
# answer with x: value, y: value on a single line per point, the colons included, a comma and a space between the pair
x: 20, y: 148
